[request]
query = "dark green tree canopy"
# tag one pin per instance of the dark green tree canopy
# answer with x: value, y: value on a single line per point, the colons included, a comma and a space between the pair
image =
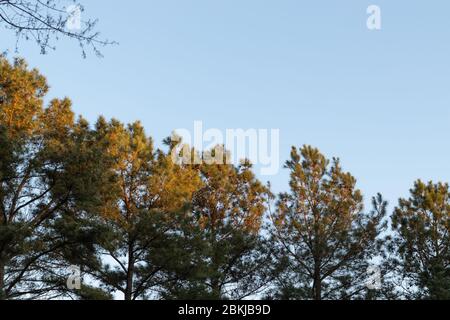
x: 420, y: 244
x: 138, y: 224
x: 48, y: 162
x: 324, y: 239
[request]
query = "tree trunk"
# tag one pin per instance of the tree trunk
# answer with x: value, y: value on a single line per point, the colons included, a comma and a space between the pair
x: 130, y: 273
x: 215, y: 280
x: 2, y: 280
x: 317, y: 287
x: 215, y: 289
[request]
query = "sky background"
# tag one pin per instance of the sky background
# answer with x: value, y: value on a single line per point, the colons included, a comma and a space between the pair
x: 378, y: 100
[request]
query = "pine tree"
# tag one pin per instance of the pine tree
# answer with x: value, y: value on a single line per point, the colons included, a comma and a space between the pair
x: 46, y: 162
x: 143, y: 209
x: 324, y: 241
x: 420, y: 245
x: 228, y: 212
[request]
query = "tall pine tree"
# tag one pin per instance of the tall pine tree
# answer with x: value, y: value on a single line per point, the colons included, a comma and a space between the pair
x: 228, y: 212
x: 324, y: 241
x: 144, y: 208
x: 46, y: 162
x: 420, y: 245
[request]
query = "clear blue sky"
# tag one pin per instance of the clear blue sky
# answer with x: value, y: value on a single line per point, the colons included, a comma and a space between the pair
x: 380, y: 100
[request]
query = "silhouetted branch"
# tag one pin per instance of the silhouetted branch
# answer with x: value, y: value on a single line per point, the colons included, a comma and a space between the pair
x: 47, y: 21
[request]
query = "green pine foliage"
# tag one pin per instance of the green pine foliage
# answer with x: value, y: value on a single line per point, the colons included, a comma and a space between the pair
x: 419, y: 249
x: 140, y: 225
x: 324, y: 240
